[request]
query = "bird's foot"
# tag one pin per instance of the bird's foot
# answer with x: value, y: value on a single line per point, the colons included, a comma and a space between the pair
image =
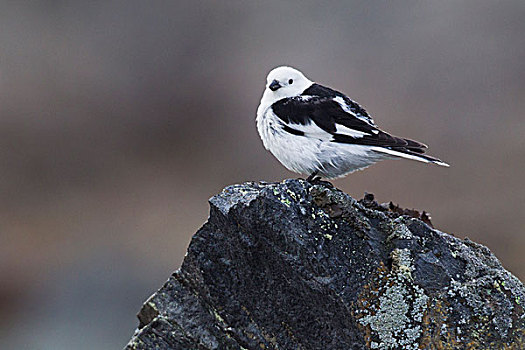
x: 313, y: 177
x: 316, y: 180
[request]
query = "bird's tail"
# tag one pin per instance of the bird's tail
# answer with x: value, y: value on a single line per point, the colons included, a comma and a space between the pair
x: 410, y: 154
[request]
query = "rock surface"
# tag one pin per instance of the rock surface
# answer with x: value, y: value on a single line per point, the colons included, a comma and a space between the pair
x: 293, y: 265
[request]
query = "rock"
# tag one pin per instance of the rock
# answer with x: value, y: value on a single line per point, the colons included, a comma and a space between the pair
x: 293, y: 265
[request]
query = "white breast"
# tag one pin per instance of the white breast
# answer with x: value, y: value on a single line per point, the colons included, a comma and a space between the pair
x: 297, y: 153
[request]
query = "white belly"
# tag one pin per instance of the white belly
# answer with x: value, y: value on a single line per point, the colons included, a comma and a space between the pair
x: 304, y: 155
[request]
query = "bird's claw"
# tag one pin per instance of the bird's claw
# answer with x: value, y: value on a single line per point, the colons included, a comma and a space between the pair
x: 313, y: 177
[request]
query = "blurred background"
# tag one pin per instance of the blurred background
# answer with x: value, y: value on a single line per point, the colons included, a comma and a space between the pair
x: 119, y: 119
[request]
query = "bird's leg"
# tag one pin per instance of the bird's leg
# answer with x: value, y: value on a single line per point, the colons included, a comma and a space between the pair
x: 312, y: 177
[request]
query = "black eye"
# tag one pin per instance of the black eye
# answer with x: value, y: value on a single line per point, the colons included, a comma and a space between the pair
x: 290, y: 81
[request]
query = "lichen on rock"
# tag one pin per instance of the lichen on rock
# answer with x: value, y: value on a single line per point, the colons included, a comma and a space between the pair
x: 393, y: 306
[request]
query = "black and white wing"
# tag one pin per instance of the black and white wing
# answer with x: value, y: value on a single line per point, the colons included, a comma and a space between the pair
x: 347, y: 104
x: 328, y: 115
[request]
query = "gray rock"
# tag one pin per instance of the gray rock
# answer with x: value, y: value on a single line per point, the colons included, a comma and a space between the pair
x: 298, y: 266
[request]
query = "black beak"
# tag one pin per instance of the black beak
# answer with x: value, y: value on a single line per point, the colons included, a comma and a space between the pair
x: 274, y: 85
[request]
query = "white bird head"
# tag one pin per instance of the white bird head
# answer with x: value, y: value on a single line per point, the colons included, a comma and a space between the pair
x: 285, y: 82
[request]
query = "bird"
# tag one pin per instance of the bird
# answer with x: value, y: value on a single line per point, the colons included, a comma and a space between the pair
x: 317, y: 131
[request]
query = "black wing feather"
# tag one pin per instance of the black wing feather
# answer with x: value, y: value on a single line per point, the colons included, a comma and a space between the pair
x: 323, y: 91
x: 323, y: 111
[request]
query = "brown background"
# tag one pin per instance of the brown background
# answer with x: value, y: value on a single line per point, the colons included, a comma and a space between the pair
x: 119, y: 119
